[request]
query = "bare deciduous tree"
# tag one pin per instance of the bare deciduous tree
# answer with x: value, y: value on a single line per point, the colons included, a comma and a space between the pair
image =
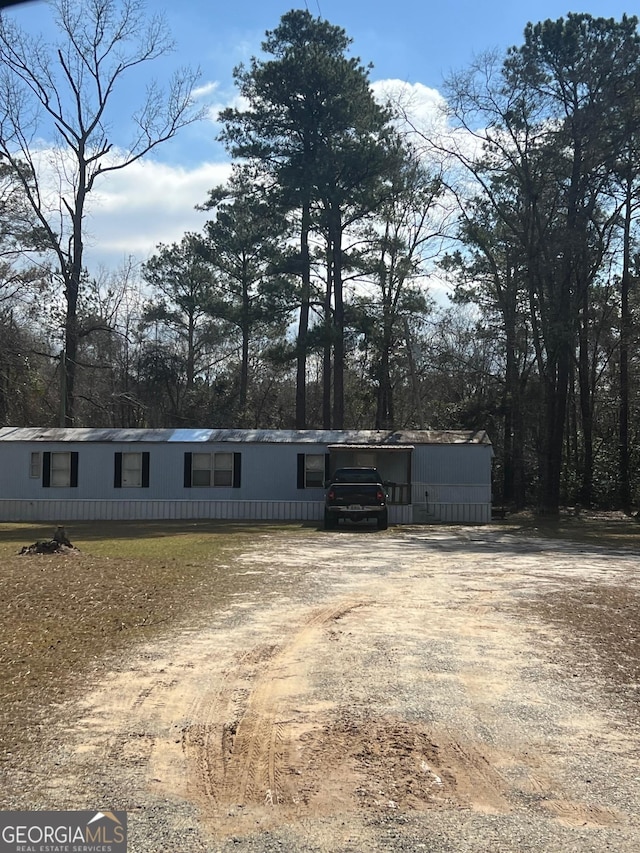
x: 68, y: 94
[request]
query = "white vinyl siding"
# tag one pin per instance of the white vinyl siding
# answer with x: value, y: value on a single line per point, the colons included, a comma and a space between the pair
x: 269, y: 475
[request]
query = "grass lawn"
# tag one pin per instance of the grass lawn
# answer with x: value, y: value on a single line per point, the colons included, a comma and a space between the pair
x: 63, y: 614
x: 601, y: 622
x: 610, y: 529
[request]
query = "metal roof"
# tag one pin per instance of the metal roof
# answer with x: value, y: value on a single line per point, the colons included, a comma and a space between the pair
x: 372, y: 438
x: 396, y: 448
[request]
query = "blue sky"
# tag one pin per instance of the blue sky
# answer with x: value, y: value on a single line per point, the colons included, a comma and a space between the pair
x: 417, y: 41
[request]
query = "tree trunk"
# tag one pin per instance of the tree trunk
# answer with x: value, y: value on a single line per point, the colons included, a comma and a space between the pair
x: 625, y: 330
x: 511, y: 394
x: 72, y: 277
x: 556, y: 389
x: 69, y: 355
x: 384, y: 407
x: 245, y: 322
x: 561, y: 341
x: 415, y: 381
x: 327, y: 372
x: 338, y: 322
x: 586, y: 405
x: 191, y: 360
x: 303, y: 323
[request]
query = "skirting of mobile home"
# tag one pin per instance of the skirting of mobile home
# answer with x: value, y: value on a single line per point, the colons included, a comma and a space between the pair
x: 62, y: 475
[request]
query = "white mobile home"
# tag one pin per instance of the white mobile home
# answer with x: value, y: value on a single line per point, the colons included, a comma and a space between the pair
x: 66, y: 475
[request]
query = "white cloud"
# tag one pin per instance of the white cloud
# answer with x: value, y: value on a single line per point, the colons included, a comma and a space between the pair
x: 214, y: 99
x: 227, y: 101
x: 146, y: 203
x: 205, y: 90
x: 131, y: 210
x: 424, y: 116
x: 422, y: 107
x: 151, y: 202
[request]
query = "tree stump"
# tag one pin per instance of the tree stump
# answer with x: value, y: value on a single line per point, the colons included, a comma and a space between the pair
x: 58, y: 543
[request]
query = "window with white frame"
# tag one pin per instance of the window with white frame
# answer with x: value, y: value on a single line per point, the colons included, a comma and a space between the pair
x: 314, y: 470
x: 35, y: 465
x: 212, y: 469
x: 61, y: 470
x: 131, y: 470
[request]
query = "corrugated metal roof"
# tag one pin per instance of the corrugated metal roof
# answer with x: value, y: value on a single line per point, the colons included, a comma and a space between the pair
x: 397, y: 448
x: 375, y: 438
x: 83, y: 434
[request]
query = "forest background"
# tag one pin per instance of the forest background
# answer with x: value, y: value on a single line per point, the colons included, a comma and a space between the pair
x: 307, y: 300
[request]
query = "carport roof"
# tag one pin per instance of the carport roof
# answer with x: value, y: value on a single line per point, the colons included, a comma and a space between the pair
x: 376, y: 439
x: 402, y: 448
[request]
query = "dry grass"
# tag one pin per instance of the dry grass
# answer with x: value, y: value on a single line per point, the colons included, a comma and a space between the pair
x: 63, y: 614
x: 610, y: 529
x: 601, y: 622
x: 601, y: 625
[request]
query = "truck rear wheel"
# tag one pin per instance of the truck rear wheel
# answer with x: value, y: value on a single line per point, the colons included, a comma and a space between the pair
x: 383, y: 520
x: 330, y: 521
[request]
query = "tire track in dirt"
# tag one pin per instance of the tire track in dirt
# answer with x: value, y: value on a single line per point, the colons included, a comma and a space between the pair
x: 238, y: 745
x: 240, y: 751
x: 209, y: 732
x: 478, y: 784
x: 437, y: 697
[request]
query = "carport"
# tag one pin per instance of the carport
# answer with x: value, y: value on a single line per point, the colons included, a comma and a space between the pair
x: 393, y: 461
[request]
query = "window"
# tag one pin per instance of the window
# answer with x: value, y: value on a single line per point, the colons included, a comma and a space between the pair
x: 60, y: 469
x: 212, y: 469
x: 201, y: 473
x: 312, y: 470
x: 131, y: 470
x: 35, y: 465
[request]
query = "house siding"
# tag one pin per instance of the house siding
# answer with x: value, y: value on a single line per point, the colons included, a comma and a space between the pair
x: 130, y: 510
x: 449, y: 481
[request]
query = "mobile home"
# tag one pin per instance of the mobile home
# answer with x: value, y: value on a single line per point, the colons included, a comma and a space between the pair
x: 62, y: 475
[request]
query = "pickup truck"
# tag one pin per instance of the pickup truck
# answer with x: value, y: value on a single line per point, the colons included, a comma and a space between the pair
x: 356, y: 494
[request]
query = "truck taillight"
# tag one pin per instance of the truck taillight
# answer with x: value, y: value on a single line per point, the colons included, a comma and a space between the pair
x: 331, y: 495
x: 380, y: 495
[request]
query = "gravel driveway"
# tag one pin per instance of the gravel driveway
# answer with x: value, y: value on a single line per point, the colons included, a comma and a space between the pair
x: 378, y: 692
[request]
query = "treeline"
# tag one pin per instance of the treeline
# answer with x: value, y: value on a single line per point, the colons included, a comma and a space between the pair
x: 311, y: 296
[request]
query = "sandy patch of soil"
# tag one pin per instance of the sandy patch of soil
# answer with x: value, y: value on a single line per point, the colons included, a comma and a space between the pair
x: 423, y: 688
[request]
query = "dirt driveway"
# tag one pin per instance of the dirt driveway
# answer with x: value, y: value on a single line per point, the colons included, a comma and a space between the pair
x: 379, y: 692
